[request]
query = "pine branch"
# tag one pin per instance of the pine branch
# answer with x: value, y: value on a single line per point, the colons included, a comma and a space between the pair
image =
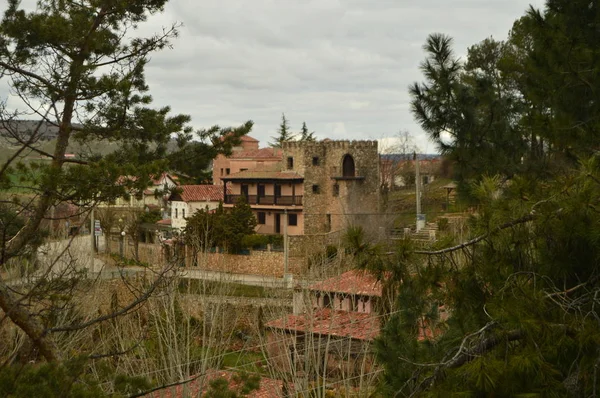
x: 471, y: 242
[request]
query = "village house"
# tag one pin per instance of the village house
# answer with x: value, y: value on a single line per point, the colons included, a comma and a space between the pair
x: 188, y: 199
x: 314, y: 187
x: 246, y: 156
x: 398, y: 171
x: 341, y: 313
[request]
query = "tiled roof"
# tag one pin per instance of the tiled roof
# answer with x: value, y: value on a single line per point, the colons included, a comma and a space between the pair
x: 263, y: 174
x: 199, y: 193
x: 325, y: 321
x: 166, y: 221
x: 262, y: 153
x: 351, y: 282
x: 244, y: 138
x: 157, y: 180
x: 247, y: 138
x: 268, y: 388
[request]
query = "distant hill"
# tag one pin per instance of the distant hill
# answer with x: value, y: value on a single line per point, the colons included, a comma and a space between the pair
x: 25, y: 128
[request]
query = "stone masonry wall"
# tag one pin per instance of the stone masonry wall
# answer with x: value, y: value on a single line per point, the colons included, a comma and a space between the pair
x: 257, y: 263
x: 356, y: 198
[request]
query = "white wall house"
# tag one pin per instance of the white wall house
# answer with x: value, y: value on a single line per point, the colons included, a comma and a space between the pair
x: 190, y: 198
x: 152, y: 197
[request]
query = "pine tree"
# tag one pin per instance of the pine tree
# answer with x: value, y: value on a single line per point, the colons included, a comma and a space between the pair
x: 283, y: 134
x: 80, y: 68
x: 510, y: 311
x: 305, y: 135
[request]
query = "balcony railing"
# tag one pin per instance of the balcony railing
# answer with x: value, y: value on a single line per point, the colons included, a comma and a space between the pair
x: 267, y: 200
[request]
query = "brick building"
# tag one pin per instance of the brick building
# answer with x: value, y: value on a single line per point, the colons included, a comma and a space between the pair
x: 321, y: 187
x: 246, y: 156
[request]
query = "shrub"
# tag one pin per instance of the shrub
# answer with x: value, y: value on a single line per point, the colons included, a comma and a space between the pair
x: 255, y: 241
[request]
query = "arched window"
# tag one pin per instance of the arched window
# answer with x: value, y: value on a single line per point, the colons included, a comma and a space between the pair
x: 348, y: 166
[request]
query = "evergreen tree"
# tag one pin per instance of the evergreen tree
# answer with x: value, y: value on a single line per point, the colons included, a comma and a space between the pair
x: 80, y: 67
x: 238, y: 223
x: 510, y: 311
x: 283, y: 134
x: 305, y: 135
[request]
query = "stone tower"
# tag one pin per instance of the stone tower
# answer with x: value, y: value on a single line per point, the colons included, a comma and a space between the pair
x: 341, y: 182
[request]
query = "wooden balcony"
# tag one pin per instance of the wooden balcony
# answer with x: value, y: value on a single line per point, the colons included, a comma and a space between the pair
x: 269, y: 200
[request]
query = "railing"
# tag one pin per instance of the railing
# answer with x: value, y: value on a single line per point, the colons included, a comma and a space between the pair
x: 267, y: 200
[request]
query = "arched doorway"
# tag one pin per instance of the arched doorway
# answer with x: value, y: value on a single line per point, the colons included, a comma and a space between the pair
x: 348, y: 166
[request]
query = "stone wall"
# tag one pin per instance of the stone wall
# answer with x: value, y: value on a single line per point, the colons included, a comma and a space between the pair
x: 256, y: 263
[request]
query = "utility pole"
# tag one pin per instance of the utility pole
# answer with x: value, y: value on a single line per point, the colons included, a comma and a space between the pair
x: 285, y: 243
x: 92, y: 240
x: 420, y: 217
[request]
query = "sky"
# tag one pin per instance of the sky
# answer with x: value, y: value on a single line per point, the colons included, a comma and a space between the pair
x: 341, y: 66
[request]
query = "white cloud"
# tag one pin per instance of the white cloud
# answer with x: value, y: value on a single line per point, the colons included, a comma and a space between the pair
x: 343, y: 66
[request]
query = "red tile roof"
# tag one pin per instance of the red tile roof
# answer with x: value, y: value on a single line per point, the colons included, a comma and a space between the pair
x: 247, y: 138
x: 166, y: 221
x: 351, y: 282
x: 263, y: 174
x: 262, y: 153
x: 244, y: 138
x: 268, y: 388
x: 156, y: 179
x: 325, y: 321
x: 199, y: 193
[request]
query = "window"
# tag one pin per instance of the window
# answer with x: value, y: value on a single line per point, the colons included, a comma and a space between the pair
x: 336, y: 190
x: 315, y: 160
x: 176, y: 212
x: 261, y: 217
x: 348, y: 166
x: 182, y: 213
x: 316, y: 189
x: 243, y: 169
x: 328, y: 222
x: 326, y: 301
x: 290, y: 163
x: 221, y: 171
x: 292, y: 219
x: 227, y: 171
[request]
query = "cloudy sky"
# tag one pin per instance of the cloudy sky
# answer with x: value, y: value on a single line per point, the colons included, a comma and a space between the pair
x: 343, y: 66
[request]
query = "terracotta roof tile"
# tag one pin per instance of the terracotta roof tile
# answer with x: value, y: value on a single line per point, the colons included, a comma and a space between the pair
x: 166, y: 221
x: 247, y: 138
x: 263, y: 174
x: 268, y: 388
x: 325, y: 321
x: 244, y: 138
x: 262, y: 153
x: 199, y: 193
x: 351, y: 282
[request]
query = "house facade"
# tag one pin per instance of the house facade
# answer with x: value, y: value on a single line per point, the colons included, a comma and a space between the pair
x: 154, y: 197
x: 188, y: 199
x: 246, y: 156
x: 331, y: 329
x: 315, y: 187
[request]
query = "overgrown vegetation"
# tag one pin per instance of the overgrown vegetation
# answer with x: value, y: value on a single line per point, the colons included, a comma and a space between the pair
x: 510, y: 311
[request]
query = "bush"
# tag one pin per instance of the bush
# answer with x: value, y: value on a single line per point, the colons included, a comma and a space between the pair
x: 443, y: 224
x: 255, y: 241
x: 276, y: 240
